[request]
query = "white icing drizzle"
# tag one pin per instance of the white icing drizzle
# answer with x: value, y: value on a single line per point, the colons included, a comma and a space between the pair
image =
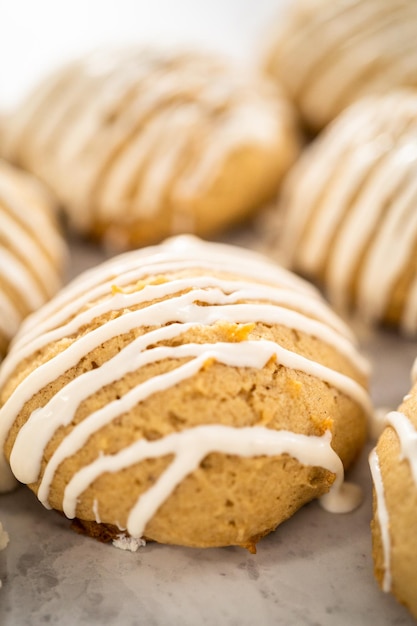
x: 401, y: 241
x: 96, y: 512
x: 407, y: 435
x: 360, y: 183
x: 383, y: 518
x: 18, y: 241
x: 181, y: 304
x: 308, y: 178
x: 190, y: 447
x: 346, y: 74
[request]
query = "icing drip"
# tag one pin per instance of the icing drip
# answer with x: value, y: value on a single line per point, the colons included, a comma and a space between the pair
x: 174, y: 307
x: 176, y: 253
x: 124, y: 542
x: 379, y: 33
x: 239, y: 355
x: 383, y: 518
x: 407, y: 435
x: 96, y: 512
x: 20, y: 276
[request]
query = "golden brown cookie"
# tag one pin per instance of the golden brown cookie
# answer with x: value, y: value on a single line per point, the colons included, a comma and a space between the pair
x: 394, y: 471
x: 139, y: 144
x: 350, y: 220
x: 191, y: 393
x: 329, y: 53
x: 32, y: 252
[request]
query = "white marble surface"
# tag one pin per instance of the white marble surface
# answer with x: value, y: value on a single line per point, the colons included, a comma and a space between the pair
x: 316, y: 569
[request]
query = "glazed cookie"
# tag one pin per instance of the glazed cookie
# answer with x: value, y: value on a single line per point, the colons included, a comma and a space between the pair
x: 191, y: 393
x: 32, y: 252
x: 141, y: 144
x: 350, y: 220
x: 394, y: 471
x: 329, y: 53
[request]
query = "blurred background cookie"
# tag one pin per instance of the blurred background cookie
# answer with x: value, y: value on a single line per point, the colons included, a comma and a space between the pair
x: 32, y: 252
x: 349, y: 204
x: 191, y: 393
x: 394, y: 471
x: 329, y: 53
x: 142, y: 143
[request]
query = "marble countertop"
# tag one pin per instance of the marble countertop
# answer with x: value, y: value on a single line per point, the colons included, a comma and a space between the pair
x: 315, y: 569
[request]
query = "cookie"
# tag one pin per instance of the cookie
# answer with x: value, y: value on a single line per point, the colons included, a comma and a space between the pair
x: 349, y: 211
x: 32, y: 251
x: 393, y: 465
x: 190, y: 393
x: 140, y: 144
x: 329, y: 53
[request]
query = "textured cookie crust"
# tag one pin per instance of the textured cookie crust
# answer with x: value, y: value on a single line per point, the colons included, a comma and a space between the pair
x: 241, y: 390
x: 32, y: 252
x: 329, y: 53
x: 140, y: 144
x: 349, y: 203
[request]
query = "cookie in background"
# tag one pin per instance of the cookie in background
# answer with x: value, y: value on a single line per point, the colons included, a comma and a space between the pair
x: 329, y: 53
x: 32, y: 251
x: 349, y: 211
x: 141, y: 143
